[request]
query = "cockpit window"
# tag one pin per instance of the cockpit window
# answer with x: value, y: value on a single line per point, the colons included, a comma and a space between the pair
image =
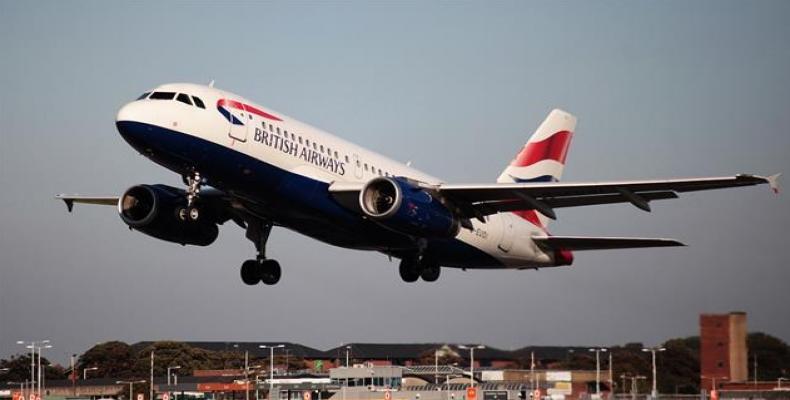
x: 184, y: 98
x: 198, y: 102
x: 162, y: 96
x: 144, y: 95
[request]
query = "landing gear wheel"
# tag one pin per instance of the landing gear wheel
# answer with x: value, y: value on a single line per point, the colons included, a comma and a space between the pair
x: 270, y: 272
x: 182, y: 213
x: 431, y: 274
x: 194, y: 213
x: 250, y: 273
x: 408, y: 270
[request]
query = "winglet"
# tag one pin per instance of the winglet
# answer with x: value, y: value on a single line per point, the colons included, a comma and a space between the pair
x: 69, y: 202
x: 773, y: 182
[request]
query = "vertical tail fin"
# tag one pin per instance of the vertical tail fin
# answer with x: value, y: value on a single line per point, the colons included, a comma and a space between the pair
x: 542, y: 159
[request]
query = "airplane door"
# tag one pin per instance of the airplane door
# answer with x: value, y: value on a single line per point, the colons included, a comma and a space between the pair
x: 357, y: 167
x: 506, y: 240
x: 238, y: 125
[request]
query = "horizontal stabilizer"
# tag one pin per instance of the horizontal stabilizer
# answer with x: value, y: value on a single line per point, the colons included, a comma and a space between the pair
x: 601, y: 243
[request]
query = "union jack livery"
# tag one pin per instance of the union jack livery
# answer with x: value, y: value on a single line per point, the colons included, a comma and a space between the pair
x: 542, y: 159
x: 259, y: 168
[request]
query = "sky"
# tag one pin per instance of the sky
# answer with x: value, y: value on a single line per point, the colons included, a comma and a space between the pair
x: 661, y: 89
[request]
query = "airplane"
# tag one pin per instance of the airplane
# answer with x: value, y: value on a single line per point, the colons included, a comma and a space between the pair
x: 242, y: 162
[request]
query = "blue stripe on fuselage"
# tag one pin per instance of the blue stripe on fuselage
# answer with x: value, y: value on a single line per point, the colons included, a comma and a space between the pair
x: 295, y: 201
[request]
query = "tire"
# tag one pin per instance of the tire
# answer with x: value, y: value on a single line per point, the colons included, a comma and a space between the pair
x: 182, y: 214
x: 431, y: 273
x: 408, y: 270
x: 250, y: 273
x: 194, y: 213
x: 270, y: 272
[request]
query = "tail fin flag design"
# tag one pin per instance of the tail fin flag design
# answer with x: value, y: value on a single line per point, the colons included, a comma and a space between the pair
x: 542, y: 159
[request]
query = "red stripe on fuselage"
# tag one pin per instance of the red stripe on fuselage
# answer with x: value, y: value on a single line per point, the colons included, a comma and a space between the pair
x: 246, y: 107
x: 554, y: 147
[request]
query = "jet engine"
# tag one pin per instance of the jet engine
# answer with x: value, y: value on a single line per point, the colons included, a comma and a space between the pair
x: 401, y: 206
x: 159, y: 210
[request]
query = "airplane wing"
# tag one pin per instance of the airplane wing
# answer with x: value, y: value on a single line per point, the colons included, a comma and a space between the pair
x: 479, y: 200
x: 485, y: 199
x: 600, y: 243
x: 70, y: 199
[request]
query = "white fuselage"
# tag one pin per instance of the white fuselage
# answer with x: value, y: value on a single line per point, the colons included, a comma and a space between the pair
x: 301, y: 149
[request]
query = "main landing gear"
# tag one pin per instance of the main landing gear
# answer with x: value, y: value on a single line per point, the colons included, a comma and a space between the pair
x: 413, y: 268
x: 260, y: 269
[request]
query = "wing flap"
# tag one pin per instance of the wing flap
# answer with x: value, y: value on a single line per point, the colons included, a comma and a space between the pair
x: 601, y: 243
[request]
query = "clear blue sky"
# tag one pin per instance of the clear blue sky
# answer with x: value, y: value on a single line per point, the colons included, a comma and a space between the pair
x: 661, y: 89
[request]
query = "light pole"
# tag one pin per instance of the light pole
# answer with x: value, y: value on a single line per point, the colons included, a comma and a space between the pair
x: 85, y: 372
x: 287, y: 359
x: 634, y: 386
x: 169, y: 374
x: 471, y: 349
x: 41, y: 375
x: 348, y: 349
x: 653, y: 350
x: 131, y: 385
x: 598, y: 351
x: 32, y: 346
x: 271, y: 366
x: 257, y: 381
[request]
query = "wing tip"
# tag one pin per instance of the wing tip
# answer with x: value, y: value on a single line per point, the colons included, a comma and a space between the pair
x: 773, y: 182
x: 69, y: 202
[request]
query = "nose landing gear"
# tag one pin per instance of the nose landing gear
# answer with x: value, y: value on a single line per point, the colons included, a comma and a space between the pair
x: 191, y: 212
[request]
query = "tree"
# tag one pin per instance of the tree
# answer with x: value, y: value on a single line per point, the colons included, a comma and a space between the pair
x: 678, y: 366
x: 113, y: 360
x: 19, y: 368
x: 773, y: 356
x: 168, y: 354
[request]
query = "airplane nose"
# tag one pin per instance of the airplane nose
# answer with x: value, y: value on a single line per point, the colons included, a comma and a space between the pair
x: 129, y: 112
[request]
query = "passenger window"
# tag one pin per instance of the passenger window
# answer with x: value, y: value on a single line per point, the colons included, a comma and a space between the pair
x: 307, y: 142
x: 300, y: 140
x: 293, y: 137
x: 271, y: 128
x: 379, y: 171
x: 198, y: 102
x: 347, y: 160
x: 322, y: 148
x: 278, y: 130
x: 162, y: 96
x: 144, y: 95
x: 336, y: 155
x: 315, y: 147
x: 358, y: 164
x: 366, y: 166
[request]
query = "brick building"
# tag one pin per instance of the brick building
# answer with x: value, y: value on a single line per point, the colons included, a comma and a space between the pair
x: 723, y: 352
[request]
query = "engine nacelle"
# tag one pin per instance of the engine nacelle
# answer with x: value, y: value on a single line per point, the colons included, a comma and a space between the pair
x: 400, y: 206
x: 153, y: 210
